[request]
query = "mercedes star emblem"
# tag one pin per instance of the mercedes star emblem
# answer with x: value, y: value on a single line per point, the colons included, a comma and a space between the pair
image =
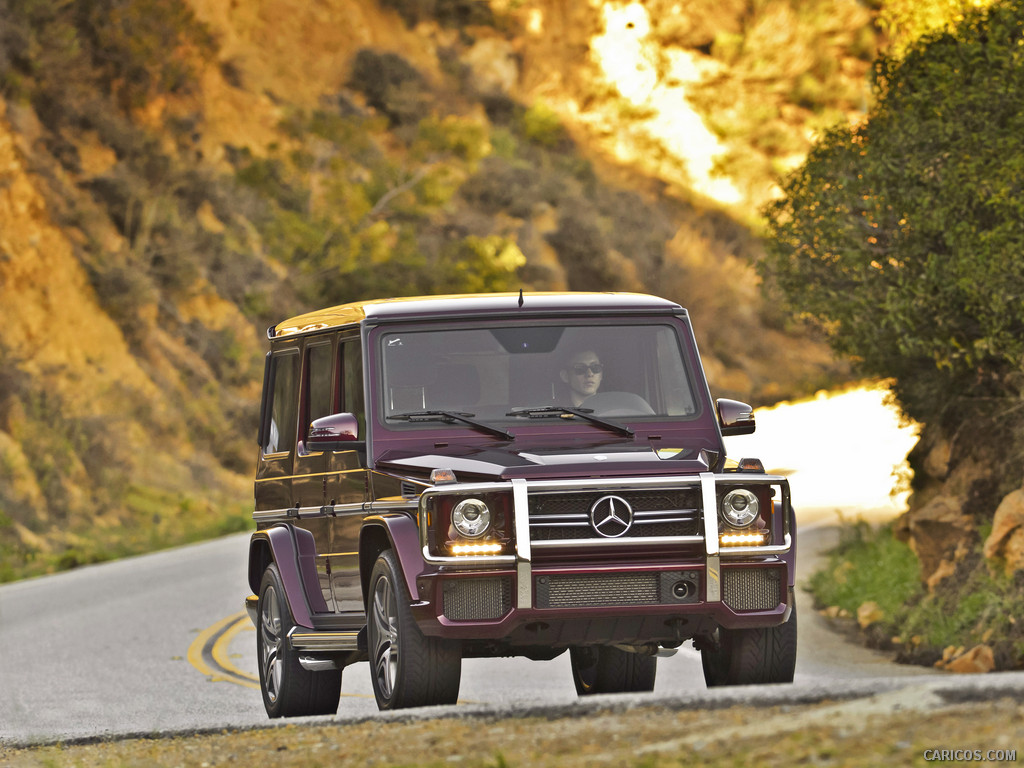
x: 611, y: 516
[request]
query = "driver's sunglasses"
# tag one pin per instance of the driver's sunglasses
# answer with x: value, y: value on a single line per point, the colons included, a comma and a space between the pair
x: 580, y: 369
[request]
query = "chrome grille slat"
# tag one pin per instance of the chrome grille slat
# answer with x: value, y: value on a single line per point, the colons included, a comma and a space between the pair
x: 661, y: 512
x: 682, y: 514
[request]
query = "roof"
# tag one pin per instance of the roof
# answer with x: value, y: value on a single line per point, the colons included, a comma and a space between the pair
x: 383, y: 310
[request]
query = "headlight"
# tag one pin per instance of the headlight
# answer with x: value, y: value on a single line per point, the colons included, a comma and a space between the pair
x: 471, y: 518
x: 740, y: 508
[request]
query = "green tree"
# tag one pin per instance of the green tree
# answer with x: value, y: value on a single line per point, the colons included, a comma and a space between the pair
x: 903, y: 237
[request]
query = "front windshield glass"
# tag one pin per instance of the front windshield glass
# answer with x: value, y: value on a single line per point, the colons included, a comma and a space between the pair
x: 510, y: 374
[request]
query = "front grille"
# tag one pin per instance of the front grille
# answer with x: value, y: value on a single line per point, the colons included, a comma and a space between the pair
x: 560, y: 516
x: 597, y: 590
x: 752, y: 589
x: 477, y: 599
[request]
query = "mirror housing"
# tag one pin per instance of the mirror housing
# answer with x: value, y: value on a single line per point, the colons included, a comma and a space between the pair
x: 336, y: 432
x: 734, y: 417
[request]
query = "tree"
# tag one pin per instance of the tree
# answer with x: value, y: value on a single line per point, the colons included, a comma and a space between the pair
x: 903, y: 237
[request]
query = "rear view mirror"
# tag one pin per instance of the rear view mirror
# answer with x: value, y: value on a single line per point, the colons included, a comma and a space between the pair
x: 734, y: 417
x: 333, y: 433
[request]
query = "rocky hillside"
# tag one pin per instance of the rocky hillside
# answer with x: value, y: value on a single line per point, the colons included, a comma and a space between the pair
x: 176, y: 176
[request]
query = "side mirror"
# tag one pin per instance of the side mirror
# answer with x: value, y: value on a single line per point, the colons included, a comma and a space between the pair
x: 734, y: 417
x: 333, y: 433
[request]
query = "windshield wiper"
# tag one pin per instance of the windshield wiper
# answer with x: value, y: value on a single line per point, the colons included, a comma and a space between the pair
x: 583, y: 413
x: 448, y: 416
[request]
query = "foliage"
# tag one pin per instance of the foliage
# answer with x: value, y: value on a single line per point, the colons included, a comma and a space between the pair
x: 785, y: 67
x: 143, y: 48
x: 870, y: 565
x: 906, y: 21
x: 422, y: 192
x: 391, y: 85
x: 448, y: 13
x: 58, y: 53
x: 540, y: 123
x: 902, y: 236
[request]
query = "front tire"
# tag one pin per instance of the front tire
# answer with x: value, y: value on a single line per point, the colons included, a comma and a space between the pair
x: 407, y: 668
x: 605, y: 669
x: 751, y: 656
x: 288, y: 689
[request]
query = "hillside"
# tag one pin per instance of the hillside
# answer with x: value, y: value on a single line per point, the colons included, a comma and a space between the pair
x: 177, y: 176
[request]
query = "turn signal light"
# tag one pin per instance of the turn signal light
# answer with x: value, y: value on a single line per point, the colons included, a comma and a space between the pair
x: 442, y: 477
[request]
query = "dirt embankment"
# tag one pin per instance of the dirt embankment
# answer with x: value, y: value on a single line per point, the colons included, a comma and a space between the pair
x: 879, y: 730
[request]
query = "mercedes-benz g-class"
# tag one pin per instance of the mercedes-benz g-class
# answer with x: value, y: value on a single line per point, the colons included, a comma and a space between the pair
x: 442, y: 478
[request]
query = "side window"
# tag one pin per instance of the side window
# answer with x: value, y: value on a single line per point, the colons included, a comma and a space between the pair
x: 352, y: 383
x: 674, y: 381
x: 319, y: 397
x: 280, y: 433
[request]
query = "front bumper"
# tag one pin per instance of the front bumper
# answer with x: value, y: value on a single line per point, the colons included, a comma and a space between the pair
x: 644, y: 589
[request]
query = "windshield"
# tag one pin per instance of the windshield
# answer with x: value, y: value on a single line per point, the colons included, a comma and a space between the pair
x: 512, y: 374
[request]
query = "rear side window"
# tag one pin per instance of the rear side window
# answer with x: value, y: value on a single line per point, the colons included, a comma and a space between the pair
x: 282, y: 412
x: 352, y: 381
x: 321, y: 400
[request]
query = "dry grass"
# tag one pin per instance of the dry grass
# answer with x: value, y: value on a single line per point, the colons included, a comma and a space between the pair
x: 860, y: 733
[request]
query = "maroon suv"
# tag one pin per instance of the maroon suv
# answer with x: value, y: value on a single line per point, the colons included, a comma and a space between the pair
x: 466, y: 476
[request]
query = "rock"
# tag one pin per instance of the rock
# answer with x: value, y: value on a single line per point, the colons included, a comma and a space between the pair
x: 1006, y: 542
x: 936, y: 461
x: 940, y: 535
x: 945, y: 568
x: 869, y: 613
x: 493, y: 64
x: 979, y: 660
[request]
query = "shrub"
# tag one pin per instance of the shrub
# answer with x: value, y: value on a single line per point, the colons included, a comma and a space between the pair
x: 541, y: 124
x: 391, y: 85
x: 901, y: 237
x: 448, y: 13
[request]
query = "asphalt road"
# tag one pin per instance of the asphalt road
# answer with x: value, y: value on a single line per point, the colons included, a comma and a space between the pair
x: 160, y: 644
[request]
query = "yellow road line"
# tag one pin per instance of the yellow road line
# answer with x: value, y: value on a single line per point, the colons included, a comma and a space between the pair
x: 208, y: 652
x: 220, y: 648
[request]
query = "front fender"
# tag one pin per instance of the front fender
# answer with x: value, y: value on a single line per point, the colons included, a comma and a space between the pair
x: 399, y: 533
x: 294, y: 551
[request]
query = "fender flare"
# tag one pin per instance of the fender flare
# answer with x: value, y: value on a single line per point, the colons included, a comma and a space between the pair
x: 294, y: 552
x: 398, y: 532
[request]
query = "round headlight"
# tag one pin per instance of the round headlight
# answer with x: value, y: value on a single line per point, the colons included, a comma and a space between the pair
x: 471, y: 518
x: 740, y: 508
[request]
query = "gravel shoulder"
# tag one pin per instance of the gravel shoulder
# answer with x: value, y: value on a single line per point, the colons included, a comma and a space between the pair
x: 892, y: 728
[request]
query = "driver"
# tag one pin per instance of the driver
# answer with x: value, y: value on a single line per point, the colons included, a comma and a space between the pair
x: 582, y: 373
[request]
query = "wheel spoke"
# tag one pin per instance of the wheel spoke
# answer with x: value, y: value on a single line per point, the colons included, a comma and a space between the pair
x: 385, y: 651
x: 272, y: 674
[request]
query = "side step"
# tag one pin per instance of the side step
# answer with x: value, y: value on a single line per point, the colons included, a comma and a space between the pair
x: 326, y: 641
x: 322, y: 650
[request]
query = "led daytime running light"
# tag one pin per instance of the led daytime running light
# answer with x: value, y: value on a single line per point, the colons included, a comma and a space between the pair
x: 741, y: 539
x: 476, y: 548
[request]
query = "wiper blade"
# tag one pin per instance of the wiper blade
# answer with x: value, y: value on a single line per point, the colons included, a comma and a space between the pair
x: 448, y: 416
x: 583, y: 413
